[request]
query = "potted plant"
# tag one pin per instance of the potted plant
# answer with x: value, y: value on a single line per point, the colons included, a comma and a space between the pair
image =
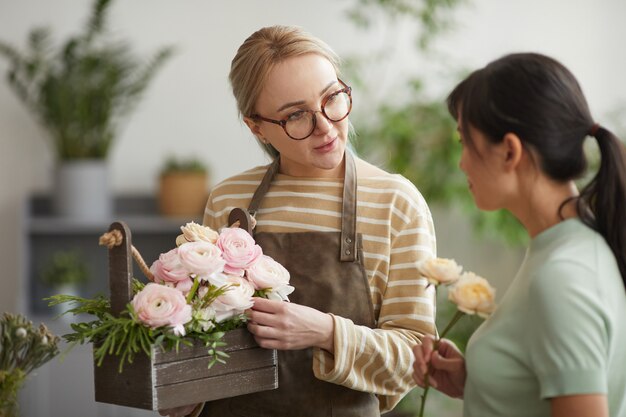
x: 65, y: 272
x: 183, y: 188
x: 80, y: 91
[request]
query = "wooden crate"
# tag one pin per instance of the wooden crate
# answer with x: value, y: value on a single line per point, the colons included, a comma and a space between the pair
x: 171, y: 379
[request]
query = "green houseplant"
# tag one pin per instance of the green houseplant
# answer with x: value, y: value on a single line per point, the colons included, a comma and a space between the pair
x: 183, y: 187
x: 80, y: 91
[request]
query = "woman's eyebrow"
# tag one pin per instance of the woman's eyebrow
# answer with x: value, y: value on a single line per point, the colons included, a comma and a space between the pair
x: 301, y: 102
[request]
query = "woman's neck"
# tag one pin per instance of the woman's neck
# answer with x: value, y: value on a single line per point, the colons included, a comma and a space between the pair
x: 542, y: 206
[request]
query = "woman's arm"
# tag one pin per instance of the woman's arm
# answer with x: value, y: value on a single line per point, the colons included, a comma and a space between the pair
x: 379, y: 360
x: 586, y: 405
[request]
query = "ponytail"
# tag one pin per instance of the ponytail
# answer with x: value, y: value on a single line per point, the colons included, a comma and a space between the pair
x: 602, y: 203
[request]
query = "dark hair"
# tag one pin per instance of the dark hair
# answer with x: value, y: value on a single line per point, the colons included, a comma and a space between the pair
x: 539, y: 100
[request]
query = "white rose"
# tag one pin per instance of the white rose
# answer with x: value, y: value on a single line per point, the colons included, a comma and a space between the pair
x: 267, y: 273
x: 440, y: 270
x: 201, y: 259
x: 194, y: 232
x: 280, y: 293
x: 473, y: 295
x: 236, y: 299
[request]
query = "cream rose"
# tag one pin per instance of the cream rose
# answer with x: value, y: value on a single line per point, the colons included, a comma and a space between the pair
x: 473, y: 295
x: 202, y: 259
x: 236, y: 299
x: 238, y: 249
x: 266, y: 273
x: 440, y: 270
x: 194, y: 232
x: 159, y: 305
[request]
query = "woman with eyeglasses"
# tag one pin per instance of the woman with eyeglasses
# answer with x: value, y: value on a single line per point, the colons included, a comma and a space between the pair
x: 556, y: 344
x: 349, y: 233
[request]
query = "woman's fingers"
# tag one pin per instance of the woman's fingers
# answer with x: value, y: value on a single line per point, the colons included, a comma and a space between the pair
x: 443, y: 364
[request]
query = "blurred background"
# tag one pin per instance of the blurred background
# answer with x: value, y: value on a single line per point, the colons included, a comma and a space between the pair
x: 401, y: 57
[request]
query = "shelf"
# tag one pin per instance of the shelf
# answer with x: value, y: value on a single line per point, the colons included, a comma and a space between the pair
x: 46, y: 235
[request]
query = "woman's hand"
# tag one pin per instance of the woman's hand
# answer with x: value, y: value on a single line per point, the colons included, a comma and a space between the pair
x: 289, y: 326
x: 447, y: 366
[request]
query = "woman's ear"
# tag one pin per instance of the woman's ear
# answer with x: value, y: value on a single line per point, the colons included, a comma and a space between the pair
x: 255, y: 128
x: 514, y: 150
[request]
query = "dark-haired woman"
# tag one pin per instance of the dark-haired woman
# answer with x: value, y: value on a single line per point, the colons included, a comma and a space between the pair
x: 556, y: 345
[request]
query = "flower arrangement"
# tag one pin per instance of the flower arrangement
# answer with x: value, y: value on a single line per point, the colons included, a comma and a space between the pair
x: 23, y: 348
x: 471, y: 293
x: 198, y: 290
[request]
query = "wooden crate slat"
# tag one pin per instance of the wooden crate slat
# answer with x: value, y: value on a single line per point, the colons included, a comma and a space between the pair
x: 197, y: 368
x: 131, y: 388
x: 235, y: 340
x: 217, y: 387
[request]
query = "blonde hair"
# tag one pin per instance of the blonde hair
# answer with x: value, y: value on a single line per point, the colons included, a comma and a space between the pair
x: 258, y: 55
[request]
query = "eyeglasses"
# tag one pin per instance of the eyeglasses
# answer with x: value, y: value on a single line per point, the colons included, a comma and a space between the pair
x: 300, y: 125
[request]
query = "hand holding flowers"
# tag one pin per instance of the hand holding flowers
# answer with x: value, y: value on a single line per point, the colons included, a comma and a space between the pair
x: 439, y: 363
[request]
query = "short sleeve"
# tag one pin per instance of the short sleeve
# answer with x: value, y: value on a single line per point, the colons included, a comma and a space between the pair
x: 568, y: 336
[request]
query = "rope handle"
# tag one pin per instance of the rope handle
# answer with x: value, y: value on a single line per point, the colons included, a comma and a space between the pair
x: 115, y: 238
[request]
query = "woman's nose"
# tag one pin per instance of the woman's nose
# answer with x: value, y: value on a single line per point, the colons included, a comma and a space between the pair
x: 322, y: 124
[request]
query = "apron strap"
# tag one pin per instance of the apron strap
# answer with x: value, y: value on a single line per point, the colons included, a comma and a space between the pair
x: 348, y: 249
x: 263, y: 188
x: 348, y: 218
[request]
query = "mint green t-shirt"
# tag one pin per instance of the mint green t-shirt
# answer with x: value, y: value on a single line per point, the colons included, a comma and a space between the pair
x: 560, y: 329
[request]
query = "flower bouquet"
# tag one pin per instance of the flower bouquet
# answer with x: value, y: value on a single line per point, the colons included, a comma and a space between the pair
x: 163, y: 344
x: 471, y: 293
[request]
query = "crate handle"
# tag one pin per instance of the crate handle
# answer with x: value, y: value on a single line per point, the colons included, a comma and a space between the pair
x: 119, y: 242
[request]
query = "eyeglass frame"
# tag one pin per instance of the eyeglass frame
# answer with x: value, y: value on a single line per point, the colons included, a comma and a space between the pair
x: 283, y: 122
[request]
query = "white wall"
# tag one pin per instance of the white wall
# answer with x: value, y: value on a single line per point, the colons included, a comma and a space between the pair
x: 188, y: 110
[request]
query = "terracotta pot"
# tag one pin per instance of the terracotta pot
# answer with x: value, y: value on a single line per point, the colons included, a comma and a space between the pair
x: 183, y: 194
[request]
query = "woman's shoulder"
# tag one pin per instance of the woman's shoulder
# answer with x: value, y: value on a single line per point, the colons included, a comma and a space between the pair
x: 248, y: 179
x: 396, y: 187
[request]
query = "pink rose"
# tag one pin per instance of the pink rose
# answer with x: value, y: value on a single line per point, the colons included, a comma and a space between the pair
x: 202, y: 259
x: 236, y: 299
x: 159, y: 305
x: 269, y: 274
x: 168, y: 268
x: 238, y: 249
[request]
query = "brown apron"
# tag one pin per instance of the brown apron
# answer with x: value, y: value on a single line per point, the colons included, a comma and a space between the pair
x: 327, y: 271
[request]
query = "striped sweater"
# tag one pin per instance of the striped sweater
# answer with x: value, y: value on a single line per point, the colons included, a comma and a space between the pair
x: 397, y: 231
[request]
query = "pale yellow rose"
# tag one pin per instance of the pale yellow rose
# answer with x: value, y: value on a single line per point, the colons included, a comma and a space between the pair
x: 194, y: 232
x: 440, y: 270
x: 473, y: 295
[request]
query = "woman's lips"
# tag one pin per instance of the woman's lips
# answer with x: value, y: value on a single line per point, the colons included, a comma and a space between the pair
x: 327, y: 147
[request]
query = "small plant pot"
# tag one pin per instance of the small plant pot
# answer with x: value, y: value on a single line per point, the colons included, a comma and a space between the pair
x: 183, y: 194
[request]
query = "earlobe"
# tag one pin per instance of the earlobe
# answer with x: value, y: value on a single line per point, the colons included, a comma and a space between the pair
x: 255, y: 129
x: 514, y: 151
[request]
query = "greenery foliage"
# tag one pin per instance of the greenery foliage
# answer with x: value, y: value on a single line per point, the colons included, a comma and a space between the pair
x: 65, y: 267
x: 82, y: 89
x: 433, y: 16
x: 174, y: 164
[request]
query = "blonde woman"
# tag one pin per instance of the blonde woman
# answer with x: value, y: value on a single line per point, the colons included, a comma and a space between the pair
x: 349, y: 233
